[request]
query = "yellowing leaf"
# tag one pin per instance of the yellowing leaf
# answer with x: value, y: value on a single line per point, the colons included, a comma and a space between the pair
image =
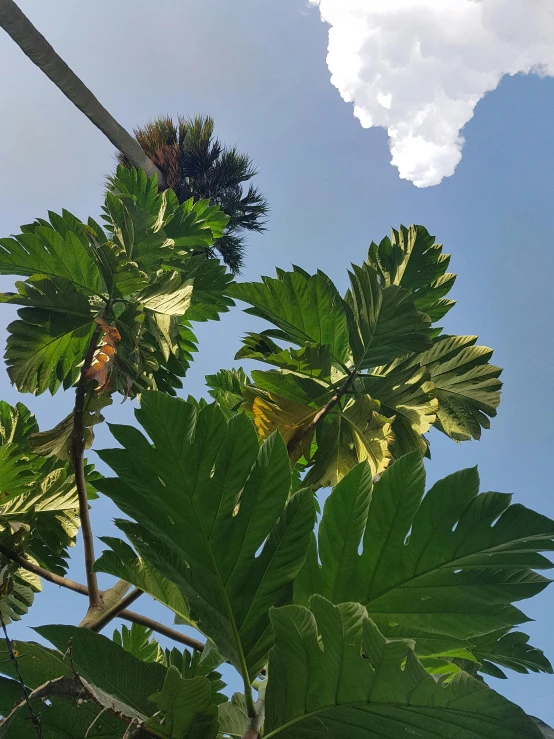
x: 293, y: 421
x: 57, y: 441
x: 170, y: 295
x: 354, y: 434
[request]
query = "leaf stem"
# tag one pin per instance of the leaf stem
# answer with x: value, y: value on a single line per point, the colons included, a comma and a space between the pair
x: 78, y: 449
x: 295, y: 442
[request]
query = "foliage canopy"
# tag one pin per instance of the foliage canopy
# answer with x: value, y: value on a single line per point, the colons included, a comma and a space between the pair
x: 382, y: 617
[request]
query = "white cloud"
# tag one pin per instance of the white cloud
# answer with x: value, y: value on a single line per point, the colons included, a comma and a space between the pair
x: 419, y: 67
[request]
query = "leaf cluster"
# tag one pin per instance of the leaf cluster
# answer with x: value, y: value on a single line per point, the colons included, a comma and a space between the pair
x: 39, y: 509
x: 370, y: 366
x: 146, y: 272
x: 382, y: 617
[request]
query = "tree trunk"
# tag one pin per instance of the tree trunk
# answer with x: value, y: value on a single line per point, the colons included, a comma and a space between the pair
x: 39, y: 51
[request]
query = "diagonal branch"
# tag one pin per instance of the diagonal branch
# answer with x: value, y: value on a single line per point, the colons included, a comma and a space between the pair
x: 116, y: 610
x: 126, y: 615
x: 39, y: 51
x: 295, y: 442
x: 150, y: 623
x: 63, y: 582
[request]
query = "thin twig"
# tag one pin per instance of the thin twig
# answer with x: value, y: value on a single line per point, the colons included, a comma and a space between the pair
x: 78, y: 451
x: 76, y: 587
x: 34, y: 718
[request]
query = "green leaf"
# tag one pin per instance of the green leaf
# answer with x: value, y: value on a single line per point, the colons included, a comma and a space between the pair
x: 205, y: 498
x: 313, y: 361
x: 56, y: 442
x: 211, y: 282
x: 450, y: 563
x: 17, y: 424
x: 226, y: 388
x: 16, y: 475
x: 50, y: 512
x: 154, y: 353
x: 163, y: 231
x: 233, y: 717
x: 39, y: 507
x: 299, y: 389
x: 309, y: 310
x: 384, y: 323
x: 171, y: 294
x: 46, y: 252
x: 412, y: 260
x: 199, y: 664
x: 134, y: 184
x: 122, y: 562
x: 61, y: 719
x: 510, y: 650
x: 186, y: 707
x: 139, y: 642
x: 47, y: 345
x: 37, y: 663
x: 347, y: 436
x: 94, y: 656
x: 332, y: 673
x: 122, y: 276
x: 11, y: 694
x: 467, y: 386
x: 17, y: 592
x: 107, y: 686
x: 409, y: 396
x: 123, y: 227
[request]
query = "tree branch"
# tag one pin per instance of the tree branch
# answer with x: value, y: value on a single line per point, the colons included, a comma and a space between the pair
x: 110, y: 598
x: 78, y: 450
x: 295, y: 442
x: 126, y: 615
x: 63, y: 582
x: 138, y: 618
x: 41, y: 53
x: 115, y: 610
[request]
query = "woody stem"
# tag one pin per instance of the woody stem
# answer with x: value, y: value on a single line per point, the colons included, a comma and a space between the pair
x: 78, y: 451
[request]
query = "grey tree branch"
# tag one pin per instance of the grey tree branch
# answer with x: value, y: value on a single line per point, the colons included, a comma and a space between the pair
x: 40, y: 52
x: 115, y: 610
x: 111, y: 599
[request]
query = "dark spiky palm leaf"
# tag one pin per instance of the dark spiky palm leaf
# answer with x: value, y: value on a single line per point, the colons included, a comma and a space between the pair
x: 196, y: 164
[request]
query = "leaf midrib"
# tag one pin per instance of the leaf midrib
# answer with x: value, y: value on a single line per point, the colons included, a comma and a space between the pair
x: 445, y: 565
x: 26, y: 272
x: 215, y: 568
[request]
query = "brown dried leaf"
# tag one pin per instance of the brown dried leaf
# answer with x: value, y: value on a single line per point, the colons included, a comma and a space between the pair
x: 104, y: 356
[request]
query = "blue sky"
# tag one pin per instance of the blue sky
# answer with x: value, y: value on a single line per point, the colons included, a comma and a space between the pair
x: 259, y: 68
